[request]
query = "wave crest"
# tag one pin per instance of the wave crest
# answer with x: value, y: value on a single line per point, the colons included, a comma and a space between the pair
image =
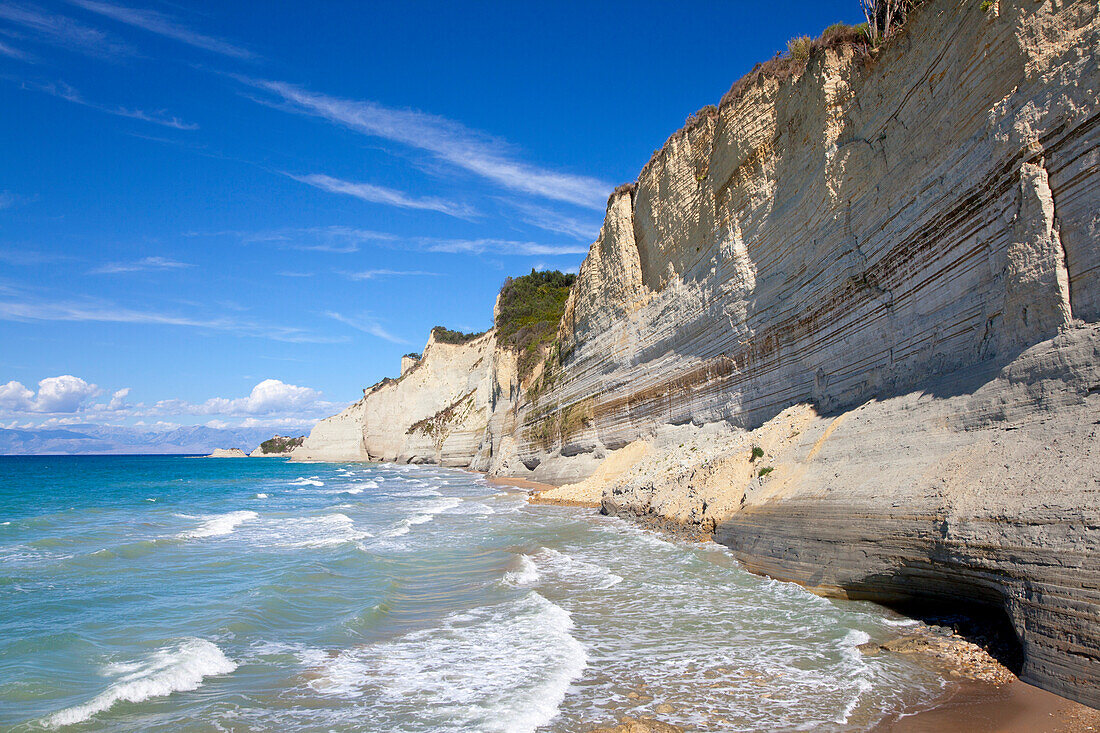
x: 178, y: 668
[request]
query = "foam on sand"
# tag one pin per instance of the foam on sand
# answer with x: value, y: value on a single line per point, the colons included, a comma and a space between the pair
x: 177, y: 668
x: 219, y: 524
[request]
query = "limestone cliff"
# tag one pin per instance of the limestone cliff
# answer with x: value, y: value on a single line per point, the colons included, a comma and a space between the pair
x: 436, y: 412
x: 853, y: 314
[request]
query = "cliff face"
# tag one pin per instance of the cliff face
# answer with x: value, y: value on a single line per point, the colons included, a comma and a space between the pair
x: 851, y: 233
x: 883, y: 275
x: 437, y: 412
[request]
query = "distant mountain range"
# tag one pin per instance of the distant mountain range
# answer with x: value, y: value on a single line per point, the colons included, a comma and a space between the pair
x: 90, y: 438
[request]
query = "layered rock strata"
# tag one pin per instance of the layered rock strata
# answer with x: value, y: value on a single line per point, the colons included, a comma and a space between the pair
x: 853, y: 317
x: 436, y: 412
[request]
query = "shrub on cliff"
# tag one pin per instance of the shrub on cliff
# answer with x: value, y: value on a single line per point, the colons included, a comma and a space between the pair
x: 447, y: 336
x: 798, y: 49
x: 528, y: 312
x: 799, y: 52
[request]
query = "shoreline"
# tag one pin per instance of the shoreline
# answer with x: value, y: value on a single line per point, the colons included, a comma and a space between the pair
x: 980, y: 707
x: 970, y: 702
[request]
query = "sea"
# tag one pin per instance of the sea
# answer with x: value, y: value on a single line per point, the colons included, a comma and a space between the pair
x: 144, y: 593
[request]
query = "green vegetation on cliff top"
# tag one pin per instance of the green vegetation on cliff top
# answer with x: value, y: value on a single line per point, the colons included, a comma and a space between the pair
x: 447, y: 336
x: 528, y: 312
x: 281, y: 444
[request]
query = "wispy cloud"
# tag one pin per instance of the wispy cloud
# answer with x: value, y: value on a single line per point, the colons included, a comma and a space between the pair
x: 366, y: 324
x: 142, y: 265
x: 343, y: 239
x: 499, y: 247
x: 375, y: 274
x: 163, y: 25
x: 60, y: 30
x: 13, y: 52
x: 69, y: 94
x: 24, y: 256
x: 335, y: 239
x: 381, y: 195
x: 448, y: 140
x: 104, y: 312
x: 554, y: 221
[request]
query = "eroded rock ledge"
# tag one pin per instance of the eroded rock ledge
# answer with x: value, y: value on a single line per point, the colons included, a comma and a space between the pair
x: 852, y: 316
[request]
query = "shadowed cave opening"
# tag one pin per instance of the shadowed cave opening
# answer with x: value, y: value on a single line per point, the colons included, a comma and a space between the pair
x: 987, y: 625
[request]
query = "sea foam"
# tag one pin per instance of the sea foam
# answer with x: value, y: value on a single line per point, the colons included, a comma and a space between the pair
x: 497, y: 668
x: 219, y: 524
x: 424, y: 515
x: 527, y: 574
x: 177, y: 668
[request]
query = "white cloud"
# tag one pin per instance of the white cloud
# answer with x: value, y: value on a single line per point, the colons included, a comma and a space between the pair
x: 346, y: 240
x: 366, y: 324
x: 162, y: 25
x: 554, y: 221
x: 448, y: 140
x: 66, y: 400
x: 336, y: 239
x: 269, y: 397
x: 14, y: 397
x: 64, y: 394
x: 382, y: 195
x: 374, y: 274
x: 62, y: 90
x: 148, y: 263
x: 118, y: 400
x: 500, y: 247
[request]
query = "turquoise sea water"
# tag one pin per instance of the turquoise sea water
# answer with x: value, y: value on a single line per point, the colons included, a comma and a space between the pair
x: 167, y: 593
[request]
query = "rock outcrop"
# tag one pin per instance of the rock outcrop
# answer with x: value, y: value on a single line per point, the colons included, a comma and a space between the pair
x: 228, y: 453
x: 436, y: 412
x: 277, y: 446
x: 854, y: 318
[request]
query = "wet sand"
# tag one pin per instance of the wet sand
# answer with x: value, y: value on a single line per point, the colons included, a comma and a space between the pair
x: 976, y: 707
x: 519, y: 483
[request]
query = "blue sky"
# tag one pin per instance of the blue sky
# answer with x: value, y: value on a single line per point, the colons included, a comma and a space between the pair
x: 228, y: 214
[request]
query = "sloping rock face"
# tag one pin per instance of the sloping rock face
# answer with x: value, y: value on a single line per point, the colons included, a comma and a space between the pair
x: 854, y: 316
x: 437, y: 412
x: 336, y: 438
x: 911, y: 250
x: 848, y: 234
x: 983, y: 488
